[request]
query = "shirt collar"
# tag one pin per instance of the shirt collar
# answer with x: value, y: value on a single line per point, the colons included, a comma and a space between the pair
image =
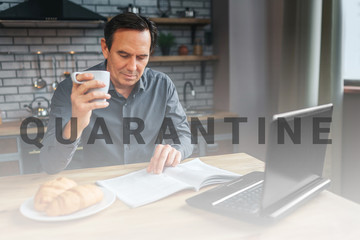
x: 111, y: 86
x: 141, y: 83
x: 138, y: 86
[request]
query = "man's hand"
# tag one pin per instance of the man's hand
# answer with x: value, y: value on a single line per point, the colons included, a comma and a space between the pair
x: 164, y: 156
x: 82, y: 102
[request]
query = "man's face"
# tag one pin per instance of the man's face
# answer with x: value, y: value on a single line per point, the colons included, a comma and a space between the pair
x: 128, y: 56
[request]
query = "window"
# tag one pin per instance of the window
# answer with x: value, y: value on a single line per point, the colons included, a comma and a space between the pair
x: 351, y: 41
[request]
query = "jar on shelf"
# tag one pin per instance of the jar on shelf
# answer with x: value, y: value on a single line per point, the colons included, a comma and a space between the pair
x: 183, y: 50
x: 198, y: 49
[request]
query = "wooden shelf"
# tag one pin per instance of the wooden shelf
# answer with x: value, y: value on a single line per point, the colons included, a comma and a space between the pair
x: 182, y: 21
x: 182, y: 58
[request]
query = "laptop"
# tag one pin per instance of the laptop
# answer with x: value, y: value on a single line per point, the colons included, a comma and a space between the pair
x: 295, y: 155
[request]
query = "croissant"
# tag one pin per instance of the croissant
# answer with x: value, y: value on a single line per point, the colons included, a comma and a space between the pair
x: 75, y: 199
x: 50, y: 190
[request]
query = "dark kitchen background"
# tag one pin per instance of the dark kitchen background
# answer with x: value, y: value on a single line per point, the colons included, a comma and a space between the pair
x: 18, y: 58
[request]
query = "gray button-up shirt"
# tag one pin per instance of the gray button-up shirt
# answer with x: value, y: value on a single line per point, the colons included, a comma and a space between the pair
x: 126, y: 131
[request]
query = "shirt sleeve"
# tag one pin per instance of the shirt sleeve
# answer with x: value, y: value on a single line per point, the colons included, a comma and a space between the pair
x: 175, y: 111
x: 55, y: 156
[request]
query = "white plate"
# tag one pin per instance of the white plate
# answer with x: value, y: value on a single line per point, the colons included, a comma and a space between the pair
x: 27, y: 209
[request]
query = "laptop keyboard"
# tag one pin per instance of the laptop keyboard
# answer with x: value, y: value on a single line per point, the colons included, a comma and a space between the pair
x: 246, y: 200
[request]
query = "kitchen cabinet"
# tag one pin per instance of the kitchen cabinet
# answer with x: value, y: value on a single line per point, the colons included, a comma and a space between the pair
x: 10, y: 156
x: 31, y: 158
x: 18, y: 157
x: 10, y: 150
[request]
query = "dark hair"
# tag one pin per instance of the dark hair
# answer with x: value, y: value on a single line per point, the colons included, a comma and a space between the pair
x: 130, y: 21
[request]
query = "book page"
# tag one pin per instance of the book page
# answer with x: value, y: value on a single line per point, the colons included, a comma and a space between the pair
x: 140, y: 187
x: 199, y: 174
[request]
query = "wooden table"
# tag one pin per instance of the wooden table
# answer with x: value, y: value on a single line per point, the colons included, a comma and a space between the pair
x: 328, y: 216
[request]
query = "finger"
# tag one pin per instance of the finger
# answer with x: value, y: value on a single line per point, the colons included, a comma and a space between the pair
x: 177, y: 159
x: 84, y: 77
x: 171, y: 157
x: 90, y: 96
x: 81, y: 102
x: 160, y: 162
x: 155, y: 156
x: 86, y: 86
x: 80, y: 107
x: 98, y: 105
x: 159, y: 157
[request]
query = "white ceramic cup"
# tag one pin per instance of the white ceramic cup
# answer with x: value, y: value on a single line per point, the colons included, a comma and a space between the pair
x: 103, y: 76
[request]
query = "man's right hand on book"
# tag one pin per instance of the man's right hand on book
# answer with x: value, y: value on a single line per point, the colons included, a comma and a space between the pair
x: 164, y: 156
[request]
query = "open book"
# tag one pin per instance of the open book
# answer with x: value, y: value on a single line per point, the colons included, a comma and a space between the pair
x: 139, y: 188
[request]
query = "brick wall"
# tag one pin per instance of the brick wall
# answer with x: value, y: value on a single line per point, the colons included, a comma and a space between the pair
x: 18, y: 58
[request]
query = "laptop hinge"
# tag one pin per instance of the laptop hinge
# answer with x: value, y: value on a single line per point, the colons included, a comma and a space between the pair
x: 300, y: 199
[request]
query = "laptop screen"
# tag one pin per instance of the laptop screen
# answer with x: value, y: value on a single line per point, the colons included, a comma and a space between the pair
x: 296, y: 148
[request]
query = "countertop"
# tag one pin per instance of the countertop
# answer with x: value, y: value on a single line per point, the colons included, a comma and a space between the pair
x: 13, y: 129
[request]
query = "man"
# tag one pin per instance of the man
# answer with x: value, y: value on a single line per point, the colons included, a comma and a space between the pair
x: 112, y: 131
